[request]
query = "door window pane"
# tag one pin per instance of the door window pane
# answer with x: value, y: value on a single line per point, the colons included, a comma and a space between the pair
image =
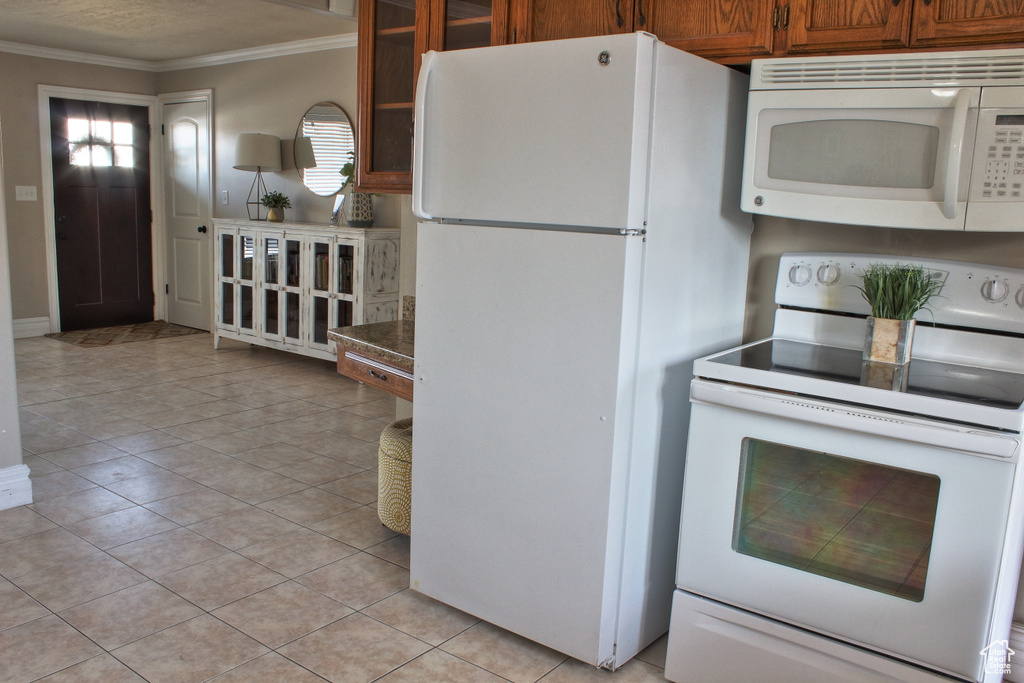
x: 96, y: 142
x: 861, y: 523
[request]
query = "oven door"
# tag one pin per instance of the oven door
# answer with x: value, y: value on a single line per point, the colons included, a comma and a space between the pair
x: 800, y: 511
x: 896, y: 157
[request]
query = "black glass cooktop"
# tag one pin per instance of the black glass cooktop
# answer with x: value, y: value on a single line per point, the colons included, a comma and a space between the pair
x: 948, y: 381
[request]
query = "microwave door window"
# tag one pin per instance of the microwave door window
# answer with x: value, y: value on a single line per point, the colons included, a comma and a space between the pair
x: 855, y: 152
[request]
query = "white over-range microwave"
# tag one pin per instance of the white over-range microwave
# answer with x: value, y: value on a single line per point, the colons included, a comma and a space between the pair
x: 923, y: 140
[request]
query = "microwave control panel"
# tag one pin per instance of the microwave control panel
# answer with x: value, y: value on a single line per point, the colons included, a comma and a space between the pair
x: 999, y: 156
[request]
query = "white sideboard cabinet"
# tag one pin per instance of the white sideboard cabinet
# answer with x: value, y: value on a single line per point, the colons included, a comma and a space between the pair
x: 283, y: 285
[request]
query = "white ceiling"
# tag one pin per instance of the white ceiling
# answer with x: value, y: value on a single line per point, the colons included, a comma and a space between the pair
x: 161, y: 30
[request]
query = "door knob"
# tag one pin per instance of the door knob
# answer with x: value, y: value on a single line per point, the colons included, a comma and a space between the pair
x: 202, y: 229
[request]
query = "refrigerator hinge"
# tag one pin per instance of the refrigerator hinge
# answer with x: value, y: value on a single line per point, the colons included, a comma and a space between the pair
x: 632, y: 232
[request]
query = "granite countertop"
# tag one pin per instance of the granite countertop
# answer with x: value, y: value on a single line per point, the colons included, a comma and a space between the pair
x: 391, y: 342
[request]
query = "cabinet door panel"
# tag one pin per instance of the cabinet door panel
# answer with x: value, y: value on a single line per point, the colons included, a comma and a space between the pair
x: 817, y: 25
x: 534, y: 20
x: 712, y: 28
x: 967, y: 22
x: 461, y: 24
x: 390, y: 41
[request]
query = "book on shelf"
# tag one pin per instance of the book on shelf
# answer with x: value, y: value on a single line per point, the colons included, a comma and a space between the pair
x: 345, y: 274
x: 320, y: 277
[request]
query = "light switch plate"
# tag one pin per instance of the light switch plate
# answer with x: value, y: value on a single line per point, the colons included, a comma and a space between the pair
x: 25, y: 193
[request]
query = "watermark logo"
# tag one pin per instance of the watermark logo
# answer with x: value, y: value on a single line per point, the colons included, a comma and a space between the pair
x: 997, y: 657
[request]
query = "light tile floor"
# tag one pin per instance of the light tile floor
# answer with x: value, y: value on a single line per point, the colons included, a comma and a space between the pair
x: 203, y: 514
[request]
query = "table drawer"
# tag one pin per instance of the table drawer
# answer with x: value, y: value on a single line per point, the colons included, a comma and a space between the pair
x: 375, y: 373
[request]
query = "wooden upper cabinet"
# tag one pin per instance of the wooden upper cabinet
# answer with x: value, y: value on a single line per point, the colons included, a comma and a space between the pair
x: 948, y: 23
x: 535, y: 20
x: 391, y: 38
x: 824, y: 25
x: 713, y: 28
x: 393, y: 35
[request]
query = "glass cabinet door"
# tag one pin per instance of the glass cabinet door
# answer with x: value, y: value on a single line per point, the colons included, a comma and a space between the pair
x: 386, y: 93
x: 271, y: 255
x: 344, y: 283
x: 236, y: 260
x: 464, y: 24
x: 226, y: 265
x: 291, y: 291
x: 246, y: 259
x: 320, y: 300
x: 392, y: 36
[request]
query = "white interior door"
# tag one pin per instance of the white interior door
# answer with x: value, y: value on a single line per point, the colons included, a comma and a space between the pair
x: 187, y: 211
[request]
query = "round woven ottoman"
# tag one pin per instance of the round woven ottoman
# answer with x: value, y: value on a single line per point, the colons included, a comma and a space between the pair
x: 394, y: 476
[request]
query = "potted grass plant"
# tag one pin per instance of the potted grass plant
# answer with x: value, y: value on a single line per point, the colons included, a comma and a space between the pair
x: 895, y: 292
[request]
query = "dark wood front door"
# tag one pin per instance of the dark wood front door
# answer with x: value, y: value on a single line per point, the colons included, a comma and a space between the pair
x: 102, y: 213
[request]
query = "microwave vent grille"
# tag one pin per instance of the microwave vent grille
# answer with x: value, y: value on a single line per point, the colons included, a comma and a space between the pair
x: 999, y: 67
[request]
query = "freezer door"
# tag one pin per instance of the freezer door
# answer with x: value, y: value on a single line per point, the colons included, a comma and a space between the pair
x: 525, y: 357
x: 554, y: 132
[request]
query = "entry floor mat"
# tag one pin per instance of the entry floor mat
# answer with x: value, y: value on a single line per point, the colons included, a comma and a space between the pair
x: 123, y: 334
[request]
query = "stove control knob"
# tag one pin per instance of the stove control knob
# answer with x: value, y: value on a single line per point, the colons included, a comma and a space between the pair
x: 1020, y: 297
x: 994, y: 290
x: 828, y: 274
x: 800, y: 275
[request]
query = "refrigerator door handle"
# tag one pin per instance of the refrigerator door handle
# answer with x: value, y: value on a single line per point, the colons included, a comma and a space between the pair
x: 419, y: 124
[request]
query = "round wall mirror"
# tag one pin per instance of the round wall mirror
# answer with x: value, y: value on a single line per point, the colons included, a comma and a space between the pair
x: 324, y: 142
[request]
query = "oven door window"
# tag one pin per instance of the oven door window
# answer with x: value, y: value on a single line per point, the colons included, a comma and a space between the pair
x: 861, y: 523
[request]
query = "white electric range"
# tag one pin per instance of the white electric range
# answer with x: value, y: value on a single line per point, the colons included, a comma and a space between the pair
x: 853, y: 521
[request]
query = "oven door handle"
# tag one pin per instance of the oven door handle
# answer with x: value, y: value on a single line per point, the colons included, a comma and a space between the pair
x: 959, y: 438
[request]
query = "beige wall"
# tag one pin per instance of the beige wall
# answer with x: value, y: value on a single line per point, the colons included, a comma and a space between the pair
x: 19, y: 110
x: 270, y: 96
x: 265, y: 95
x: 773, y: 236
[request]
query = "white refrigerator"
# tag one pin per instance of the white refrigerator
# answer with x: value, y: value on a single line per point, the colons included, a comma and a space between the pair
x: 582, y: 243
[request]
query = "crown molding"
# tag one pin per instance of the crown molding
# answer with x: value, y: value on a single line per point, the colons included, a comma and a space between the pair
x: 263, y: 52
x: 72, y: 56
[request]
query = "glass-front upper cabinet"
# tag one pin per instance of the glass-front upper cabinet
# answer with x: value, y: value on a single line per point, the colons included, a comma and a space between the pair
x: 461, y: 24
x: 392, y: 36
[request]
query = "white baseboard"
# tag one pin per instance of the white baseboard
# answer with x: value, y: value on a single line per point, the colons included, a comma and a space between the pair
x: 31, y: 327
x: 15, y: 487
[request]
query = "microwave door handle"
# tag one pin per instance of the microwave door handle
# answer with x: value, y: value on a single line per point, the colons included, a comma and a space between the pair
x: 419, y: 124
x: 956, y: 147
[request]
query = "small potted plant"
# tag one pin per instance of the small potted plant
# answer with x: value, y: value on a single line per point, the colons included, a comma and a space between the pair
x: 276, y: 203
x: 896, y: 293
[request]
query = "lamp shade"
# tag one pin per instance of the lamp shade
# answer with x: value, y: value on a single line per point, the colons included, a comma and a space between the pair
x: 304, y: 156
x: 258, y: 152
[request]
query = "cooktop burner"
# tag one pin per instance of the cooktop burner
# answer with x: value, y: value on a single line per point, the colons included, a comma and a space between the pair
x: 949, y: 381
